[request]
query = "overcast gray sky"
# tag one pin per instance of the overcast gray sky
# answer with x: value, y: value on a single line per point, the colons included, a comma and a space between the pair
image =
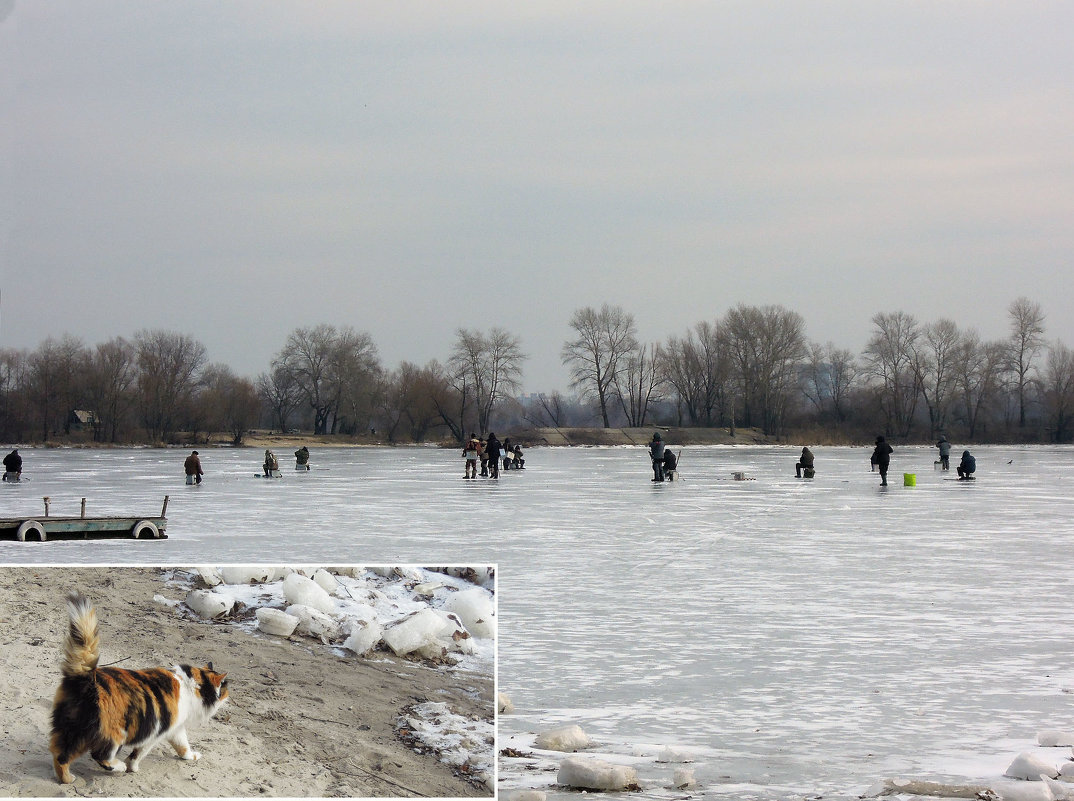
x: 233, y: 170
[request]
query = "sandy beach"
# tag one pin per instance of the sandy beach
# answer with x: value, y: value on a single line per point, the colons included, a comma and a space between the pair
x: 299, y: 723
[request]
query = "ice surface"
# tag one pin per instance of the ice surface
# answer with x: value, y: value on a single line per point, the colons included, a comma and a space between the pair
x: 801, y: 638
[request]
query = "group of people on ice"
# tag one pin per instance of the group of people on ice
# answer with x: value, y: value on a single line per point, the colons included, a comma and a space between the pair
x: 665, y: 464
x: 490, y: 454
x: 881, y: 458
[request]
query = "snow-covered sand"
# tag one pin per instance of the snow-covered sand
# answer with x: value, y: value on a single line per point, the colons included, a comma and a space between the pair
x: 306, y: 716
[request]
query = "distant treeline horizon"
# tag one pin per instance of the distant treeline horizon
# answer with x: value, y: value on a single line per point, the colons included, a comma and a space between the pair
x: 751, y: 368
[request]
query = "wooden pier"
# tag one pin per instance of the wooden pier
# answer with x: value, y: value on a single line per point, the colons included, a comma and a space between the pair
x: 48, y: 527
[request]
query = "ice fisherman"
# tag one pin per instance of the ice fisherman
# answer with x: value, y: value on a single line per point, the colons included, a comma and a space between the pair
x: 805, y: 462
x: 880, y: 459
x: 302, y: 458
x: 272, y: 464
x: 670, y: 464
x: 520, y: 463
x: 967, y: 467
x: 471, y: 453
x: 945, y: 453
x: 192, y: 466
x: 656, y: 453
x: 13, y: 466
x: 508, y: 453
x: 494, y: 449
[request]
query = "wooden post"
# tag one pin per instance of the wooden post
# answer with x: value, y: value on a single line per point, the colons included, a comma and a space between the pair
x: 47, y: 500
x: 164, y: 509
x: 83, y: 515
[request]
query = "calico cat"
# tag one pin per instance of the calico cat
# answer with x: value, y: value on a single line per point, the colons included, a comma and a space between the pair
x: 101, y: 709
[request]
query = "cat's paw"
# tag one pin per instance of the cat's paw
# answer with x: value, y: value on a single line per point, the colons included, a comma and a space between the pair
x: 132, y: 767
x: 117, y: 767
x: 192, y: 756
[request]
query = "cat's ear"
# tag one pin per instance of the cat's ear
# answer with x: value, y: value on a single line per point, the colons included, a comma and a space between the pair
x: 209, y: 667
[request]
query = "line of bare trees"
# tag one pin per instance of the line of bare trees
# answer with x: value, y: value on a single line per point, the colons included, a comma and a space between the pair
x: 753, y: 367
x: 159, y: 387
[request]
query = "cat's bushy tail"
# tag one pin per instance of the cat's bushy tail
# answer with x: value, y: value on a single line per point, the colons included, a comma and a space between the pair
x: 82, y: 647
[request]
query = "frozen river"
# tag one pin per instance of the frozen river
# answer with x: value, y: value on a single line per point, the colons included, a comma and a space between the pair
x: 798, y: 638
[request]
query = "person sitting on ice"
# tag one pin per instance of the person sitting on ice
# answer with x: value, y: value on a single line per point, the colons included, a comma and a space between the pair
x: 272, y: 466
x: 805, y: 463
x: 302, y: 458
x: 967, y: 467
x: 670, y: 464
x: 520, y: 463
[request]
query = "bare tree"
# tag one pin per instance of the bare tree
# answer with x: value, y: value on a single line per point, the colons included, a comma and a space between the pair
x: 14, y: 403
x: 829, y: 376
x: 698, y: 368
x: 1026, y: 341
x: 169, y: 367
x: 111, y: 376
x: 977, y: 368
x: 489, y: 363
x: 280, y: 393
x: 767, y: 345
x: 638, y: 383
x: 603, y: 338
x: 231, y: 402
x: 53, y: 385
x: 336, y: 371
x: 889, y: 357
x: 1059, y: 392
x: 934, y: 361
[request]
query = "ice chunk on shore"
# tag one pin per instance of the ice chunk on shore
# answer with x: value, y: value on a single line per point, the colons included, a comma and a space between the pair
x: 325, y: 580
x: 527, y: 795
x: 669, y: 754
x: 475, y: 609
x: 313, y: 623
x: 298, y: 589
x: 587, y: 773
x: 504, y: 705
x: 565, y: 738
x: 363, y: 636
x: 209, y: 575
x: 1030, y: 767
x: 420, y: 629
x: 273, y: 621
x: 1050, y: 738
x: 246, y: 574
x: 683, y: 779
x: 209, y: 604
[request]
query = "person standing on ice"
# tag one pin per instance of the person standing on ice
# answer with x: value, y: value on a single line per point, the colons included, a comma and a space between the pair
x: 656, y: 453
x: 494, y: 450
x: 967, y: 467
x: 470, y: 453
x: 880, y: 459
x: 945, y: 453
x: 192, y: 466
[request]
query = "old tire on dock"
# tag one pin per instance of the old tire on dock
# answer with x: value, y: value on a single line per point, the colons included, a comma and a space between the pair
x: 146, y: 527
x: 30, y: 527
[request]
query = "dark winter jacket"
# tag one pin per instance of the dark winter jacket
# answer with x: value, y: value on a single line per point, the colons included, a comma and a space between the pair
x: 882, y: 453
x: 13, y: 462
x: 968, y: 464
x: 493, y: 447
